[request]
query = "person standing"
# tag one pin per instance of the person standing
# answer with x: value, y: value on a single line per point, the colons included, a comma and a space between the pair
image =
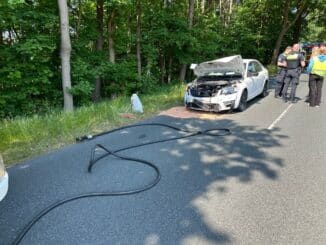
x: 281, y: 71
x: 294, y: 63
x: 314, y: 53
x: 317, y: 72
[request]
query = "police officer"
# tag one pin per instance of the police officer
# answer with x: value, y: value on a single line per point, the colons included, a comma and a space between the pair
x: 281, y: 71
x: 317, y: 70
x: 294, y: 63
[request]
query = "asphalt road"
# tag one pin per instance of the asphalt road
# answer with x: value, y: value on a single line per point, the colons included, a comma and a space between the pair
x: 264, y: 184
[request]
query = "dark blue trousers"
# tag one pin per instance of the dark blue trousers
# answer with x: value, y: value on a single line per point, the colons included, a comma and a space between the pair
x: 291, y: 78
x: 280, y: 82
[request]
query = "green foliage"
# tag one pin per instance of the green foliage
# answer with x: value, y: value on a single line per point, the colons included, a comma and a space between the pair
x: 314, y: 25
x: 272, y: 69
x: 30, y: 70
x: 26, y: 61
x: 120, y: 78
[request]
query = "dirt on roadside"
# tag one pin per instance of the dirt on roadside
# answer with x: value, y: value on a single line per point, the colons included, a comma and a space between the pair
x: 182, y: 112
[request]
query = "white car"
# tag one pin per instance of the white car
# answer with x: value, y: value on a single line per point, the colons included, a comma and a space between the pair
x: 3, y: 180
x: 226, y: 83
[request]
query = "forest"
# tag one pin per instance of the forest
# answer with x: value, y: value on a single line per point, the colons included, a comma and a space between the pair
x: 118, y: 47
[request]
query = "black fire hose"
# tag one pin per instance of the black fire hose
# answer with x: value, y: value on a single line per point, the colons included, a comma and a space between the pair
x: 93, y: 160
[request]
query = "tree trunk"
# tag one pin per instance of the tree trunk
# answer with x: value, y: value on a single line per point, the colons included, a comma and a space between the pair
x: 163, y: 68
x: 298, y: 28
x: 230, y: 11
x: 278, y: 44
x: 191, y: 7
x: 165, y: 3
x: 129, y: 31
x: 65, y: 51
x: 221, y: 14
x: 79, y: 17
x: 111, y: 28
x: 231, y: 7
x: 99, y: 21
x: 191, y: 13
x: 170, y: 69
x: 99, y: 46
x: 183, y: 72
x: 203, y: 3
x: 139, y: 38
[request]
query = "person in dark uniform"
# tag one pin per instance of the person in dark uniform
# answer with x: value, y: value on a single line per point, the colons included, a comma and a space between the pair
x: 294, y: 63
x: 281, y: 71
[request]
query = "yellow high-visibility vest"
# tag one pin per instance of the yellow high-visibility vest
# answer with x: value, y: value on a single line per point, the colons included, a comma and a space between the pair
x: 319, y: 67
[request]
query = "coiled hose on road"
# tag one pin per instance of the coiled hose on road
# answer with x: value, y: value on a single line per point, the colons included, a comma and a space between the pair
x: 215, y: 132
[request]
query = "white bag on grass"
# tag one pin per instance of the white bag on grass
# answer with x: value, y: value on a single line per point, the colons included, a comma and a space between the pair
x: 136, y: 104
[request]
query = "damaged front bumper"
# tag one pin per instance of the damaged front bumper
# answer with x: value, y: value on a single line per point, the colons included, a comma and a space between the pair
x: 213, y: 104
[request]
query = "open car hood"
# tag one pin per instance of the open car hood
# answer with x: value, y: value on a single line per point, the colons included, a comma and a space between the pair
x: 224, y: 66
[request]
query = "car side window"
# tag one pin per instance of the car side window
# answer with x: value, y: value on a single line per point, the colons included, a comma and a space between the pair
x: 258, y: 67
x: 251, y: 68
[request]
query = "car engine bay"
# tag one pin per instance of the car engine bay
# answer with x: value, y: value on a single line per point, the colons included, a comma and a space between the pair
x: 208, y: 86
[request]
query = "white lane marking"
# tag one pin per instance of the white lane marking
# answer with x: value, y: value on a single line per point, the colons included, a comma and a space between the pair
x: 279, y: 117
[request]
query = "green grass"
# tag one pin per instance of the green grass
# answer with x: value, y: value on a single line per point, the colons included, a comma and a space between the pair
x: 272, y: 69
x: 24, y: 138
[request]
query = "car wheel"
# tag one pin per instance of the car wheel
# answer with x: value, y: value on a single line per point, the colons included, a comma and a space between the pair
x: 243, y: 101
x: 265, y: 90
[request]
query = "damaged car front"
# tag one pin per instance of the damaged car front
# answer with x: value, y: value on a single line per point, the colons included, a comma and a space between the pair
x: 217, y: 85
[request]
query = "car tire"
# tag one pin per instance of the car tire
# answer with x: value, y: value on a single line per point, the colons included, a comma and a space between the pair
x: 264, y: 93
x: 243, y: 101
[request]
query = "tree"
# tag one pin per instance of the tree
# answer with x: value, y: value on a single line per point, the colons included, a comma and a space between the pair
x: 99, y: 46
x: 191, y: 7
x: 152, y: 38
x: 65, y: 51
x: 111, y: 29
x: 138, y: 36
x: 287, y: 22
x: 313, y: 23
x: 225, y: 8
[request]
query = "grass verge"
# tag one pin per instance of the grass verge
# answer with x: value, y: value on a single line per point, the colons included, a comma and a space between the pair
x: 24, y: 138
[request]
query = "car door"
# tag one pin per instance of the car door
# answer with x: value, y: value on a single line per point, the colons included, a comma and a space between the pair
x: 259, y: 79
x: 250, y: 79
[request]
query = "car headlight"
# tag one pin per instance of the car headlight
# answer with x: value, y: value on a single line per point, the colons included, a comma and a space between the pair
x: 228, y: 90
